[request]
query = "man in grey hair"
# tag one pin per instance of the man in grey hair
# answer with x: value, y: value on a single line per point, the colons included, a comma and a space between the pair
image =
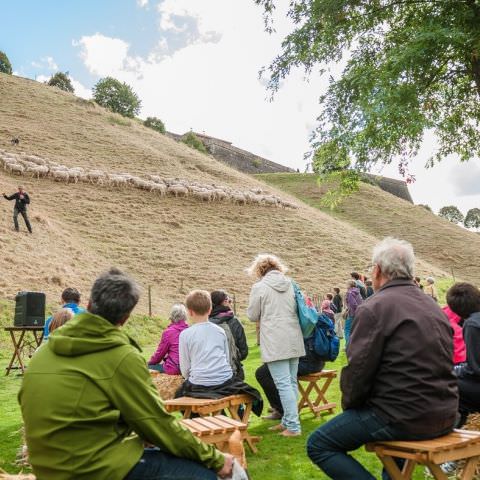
x: 89, y: 405
x: 398, y: 384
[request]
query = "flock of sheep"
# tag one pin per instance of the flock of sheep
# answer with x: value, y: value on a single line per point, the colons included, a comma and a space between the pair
x: 35, y: 166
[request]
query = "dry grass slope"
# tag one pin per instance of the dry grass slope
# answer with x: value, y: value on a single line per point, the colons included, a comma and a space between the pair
x: 171, y: 244
x: 378, y: 213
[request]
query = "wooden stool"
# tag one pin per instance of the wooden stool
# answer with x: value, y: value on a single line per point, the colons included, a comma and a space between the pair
x: 225, y: 433
x: 458, y: 445
x: 215, y: 406
x: 320, y: 404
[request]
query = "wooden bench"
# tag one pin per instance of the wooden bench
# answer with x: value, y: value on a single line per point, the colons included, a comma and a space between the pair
x: 216, y: 406
x: 458, y: 445
x: 227, y: 434
x: 319, y: 383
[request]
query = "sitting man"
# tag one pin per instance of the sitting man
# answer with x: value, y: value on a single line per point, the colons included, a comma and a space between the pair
x: 204, y: 357
x: 89, y: 404
x: 70, y: 299
x: 464, y: 300
x: 399, y: 382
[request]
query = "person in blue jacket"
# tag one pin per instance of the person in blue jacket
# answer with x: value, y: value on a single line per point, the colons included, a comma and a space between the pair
x: 71, y: 300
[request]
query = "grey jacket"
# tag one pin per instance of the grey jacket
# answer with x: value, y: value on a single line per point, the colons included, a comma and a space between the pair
x: 272, y: 303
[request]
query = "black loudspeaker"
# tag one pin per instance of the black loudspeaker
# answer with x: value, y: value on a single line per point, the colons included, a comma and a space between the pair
x: 29, y: 309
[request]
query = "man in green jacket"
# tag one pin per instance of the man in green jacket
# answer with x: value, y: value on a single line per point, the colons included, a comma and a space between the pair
x: 89, y: 405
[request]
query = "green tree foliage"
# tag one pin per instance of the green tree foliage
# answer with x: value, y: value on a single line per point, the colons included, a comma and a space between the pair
x: 117, y: 97
x: 155, y: 123
x: 5, y: 65
x: 193, y: 141
x: 62, y: 81
x: 472, y: 218
x: 410, y: 66
x: 451, y: 213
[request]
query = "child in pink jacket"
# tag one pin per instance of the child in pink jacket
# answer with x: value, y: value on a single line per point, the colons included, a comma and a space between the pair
x: 459, y: 349
x: 166, y: 358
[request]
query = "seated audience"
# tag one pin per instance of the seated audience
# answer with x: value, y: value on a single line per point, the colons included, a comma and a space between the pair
x: 204, y: 356
x: 399, y: 382
x: 59, y: 319
x: 223, y: 316
x: 99, y: 406
x: 459, y: 350
x: 464, y: 300
x: 70, y: 299
x: 307, y: 364
x: 166, y: 357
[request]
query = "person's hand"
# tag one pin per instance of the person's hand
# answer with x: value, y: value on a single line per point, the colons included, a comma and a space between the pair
x: 226, y: 470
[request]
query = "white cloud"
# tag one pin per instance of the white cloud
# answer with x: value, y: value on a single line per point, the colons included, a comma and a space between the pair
x: 46, y: 63
x: 142, y: 3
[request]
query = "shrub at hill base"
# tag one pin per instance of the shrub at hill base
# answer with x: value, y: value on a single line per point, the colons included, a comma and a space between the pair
x: 5, y: 65
x: 155, y: 124
x: 472, y: 219
x: 117, y: 97
x: 193, y: 141
x: 62, y: 81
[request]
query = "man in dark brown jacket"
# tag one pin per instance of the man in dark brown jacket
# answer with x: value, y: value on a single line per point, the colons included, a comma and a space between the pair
x: 399, y: 382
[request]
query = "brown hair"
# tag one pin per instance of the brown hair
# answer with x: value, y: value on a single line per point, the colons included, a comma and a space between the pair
x: 60, y: 318
x: 199, y: 301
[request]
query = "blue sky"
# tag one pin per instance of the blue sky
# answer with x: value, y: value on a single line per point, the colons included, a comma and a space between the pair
x: 195, y: 64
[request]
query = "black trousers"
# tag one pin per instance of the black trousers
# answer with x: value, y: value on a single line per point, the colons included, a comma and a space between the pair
x: 23, y: 213
x: 264, y: 378
x: 469, y: 397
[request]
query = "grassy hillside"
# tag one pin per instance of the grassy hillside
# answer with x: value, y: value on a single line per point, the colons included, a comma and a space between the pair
x: 378, y: 213
x: 169, y: 243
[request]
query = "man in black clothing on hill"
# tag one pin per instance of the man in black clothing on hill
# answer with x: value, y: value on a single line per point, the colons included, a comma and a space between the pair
x: 21, y: 201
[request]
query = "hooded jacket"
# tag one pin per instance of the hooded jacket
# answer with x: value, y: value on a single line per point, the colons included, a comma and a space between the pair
x: 272, y: 303
x: 221, y: 314
x: 88, y: 404
x: 353, y: 299
x: 459, y: 350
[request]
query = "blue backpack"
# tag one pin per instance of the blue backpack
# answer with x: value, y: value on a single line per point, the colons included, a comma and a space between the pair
x: 323, y: 342
x: 307, y: 316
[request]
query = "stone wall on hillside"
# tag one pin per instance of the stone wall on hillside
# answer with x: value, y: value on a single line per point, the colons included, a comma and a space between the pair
x: 235, y: 157
x: 399, y: 188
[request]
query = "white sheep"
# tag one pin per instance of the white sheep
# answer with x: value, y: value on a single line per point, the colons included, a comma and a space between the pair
x: 60, y: 175
x: 177, y: 190
x: 38, y: 171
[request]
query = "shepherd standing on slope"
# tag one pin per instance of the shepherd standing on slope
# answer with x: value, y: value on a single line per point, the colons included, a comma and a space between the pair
x: 21, y: 201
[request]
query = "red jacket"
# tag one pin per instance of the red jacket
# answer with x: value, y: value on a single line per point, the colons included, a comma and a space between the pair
x: 459, y: 349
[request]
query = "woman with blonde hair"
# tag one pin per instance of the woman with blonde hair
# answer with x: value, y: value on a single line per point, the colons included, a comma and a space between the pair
x: 272, y: 305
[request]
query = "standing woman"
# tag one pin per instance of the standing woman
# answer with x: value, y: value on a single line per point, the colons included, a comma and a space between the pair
x: 353, y: 299
x: 272, y: 305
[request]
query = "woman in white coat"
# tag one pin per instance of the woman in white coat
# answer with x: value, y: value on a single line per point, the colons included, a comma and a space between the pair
x: 272, y: 305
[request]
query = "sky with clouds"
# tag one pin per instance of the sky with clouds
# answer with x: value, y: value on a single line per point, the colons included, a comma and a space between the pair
x: 195, y: 64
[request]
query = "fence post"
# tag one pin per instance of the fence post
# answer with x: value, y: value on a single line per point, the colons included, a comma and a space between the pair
x: 149, y: 300
x: 234, y: 305
x: 453, y: 275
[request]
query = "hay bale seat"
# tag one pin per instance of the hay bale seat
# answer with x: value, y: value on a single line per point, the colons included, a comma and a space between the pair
x: 458, y: 445
x: 166, y: 385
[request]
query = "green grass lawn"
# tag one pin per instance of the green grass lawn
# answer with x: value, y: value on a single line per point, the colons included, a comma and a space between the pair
x: 278, y: 458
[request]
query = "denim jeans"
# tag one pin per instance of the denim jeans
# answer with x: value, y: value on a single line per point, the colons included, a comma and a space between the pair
x: 327, y: 447
x: 347, y: 329
x: 157, y: 367
x: 158, y: 465
x: 284, y: 374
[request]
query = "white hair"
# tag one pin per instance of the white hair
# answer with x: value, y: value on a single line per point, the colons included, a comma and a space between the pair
x: 178, y: 313
x: 395, y: 258
x: 430, y: 280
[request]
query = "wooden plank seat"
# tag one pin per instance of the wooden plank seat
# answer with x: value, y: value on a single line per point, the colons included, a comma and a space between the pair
x: 227, y: 434
x: 215, y: 406
x: 319, y: 383
x: 458, y: 445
